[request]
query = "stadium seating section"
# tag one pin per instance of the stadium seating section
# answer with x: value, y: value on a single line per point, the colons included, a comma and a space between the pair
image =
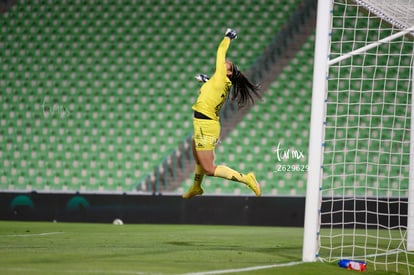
x: 95, y: 94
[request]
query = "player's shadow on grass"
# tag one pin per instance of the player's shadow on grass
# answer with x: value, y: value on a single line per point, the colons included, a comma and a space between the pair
x: 292, y: 253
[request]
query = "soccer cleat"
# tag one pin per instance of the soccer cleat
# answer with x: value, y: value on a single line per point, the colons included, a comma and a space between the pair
x: 194, y: 191
x: 253, y: 184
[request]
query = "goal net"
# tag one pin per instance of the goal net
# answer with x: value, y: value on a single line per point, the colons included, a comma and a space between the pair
x: 360, y: 183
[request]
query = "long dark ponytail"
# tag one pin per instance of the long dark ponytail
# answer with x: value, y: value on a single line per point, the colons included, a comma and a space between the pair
x: 243, y: 88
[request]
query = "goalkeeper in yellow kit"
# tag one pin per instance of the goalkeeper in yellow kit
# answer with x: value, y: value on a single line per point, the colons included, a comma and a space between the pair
x: 212, y: 96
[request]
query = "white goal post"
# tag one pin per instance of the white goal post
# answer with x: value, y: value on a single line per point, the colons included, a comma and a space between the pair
x: 360, y: 186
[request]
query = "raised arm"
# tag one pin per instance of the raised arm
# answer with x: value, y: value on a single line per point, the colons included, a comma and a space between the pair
x: 222, y: 50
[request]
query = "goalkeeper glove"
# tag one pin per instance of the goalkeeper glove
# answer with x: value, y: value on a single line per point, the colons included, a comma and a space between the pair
x: 231, y: 34
x: 202, y: 78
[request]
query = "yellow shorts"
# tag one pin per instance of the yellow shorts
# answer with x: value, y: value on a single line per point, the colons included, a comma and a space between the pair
x: 206, y: 133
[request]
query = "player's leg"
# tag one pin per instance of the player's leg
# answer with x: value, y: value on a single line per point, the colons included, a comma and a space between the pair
x: 198, y: 171
x: 249, y: 179
x: 202, y: 141
x: 206, y: 160
x: 206, y: 134
x: 196, y: 189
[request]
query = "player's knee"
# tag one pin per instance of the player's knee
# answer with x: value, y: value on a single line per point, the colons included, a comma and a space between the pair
x: 209, y: 171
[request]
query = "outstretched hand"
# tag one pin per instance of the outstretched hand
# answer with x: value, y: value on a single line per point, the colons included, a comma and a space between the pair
x: 202, y: 78
x: 230, y: 33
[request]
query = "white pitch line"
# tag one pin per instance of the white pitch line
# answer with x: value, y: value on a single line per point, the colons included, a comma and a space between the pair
x: 243, y: 269
x: 223, y: 271
x: 33, y: 235
x: 43, y: 271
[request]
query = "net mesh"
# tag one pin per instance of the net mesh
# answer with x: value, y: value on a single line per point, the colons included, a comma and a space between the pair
x: 367, y: 137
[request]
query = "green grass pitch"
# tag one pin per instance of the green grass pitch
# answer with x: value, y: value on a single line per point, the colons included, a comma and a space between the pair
x: 83, y: 248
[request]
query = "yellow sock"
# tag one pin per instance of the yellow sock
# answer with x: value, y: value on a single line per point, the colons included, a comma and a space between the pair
x: 198, y: 175
x: 196, y: 189
x: 230, y: 174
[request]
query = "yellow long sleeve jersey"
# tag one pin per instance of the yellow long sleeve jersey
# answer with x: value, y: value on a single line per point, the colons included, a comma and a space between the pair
x: 214, y: 92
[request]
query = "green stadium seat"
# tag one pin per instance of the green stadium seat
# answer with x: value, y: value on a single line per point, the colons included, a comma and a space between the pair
x: 94, y: 60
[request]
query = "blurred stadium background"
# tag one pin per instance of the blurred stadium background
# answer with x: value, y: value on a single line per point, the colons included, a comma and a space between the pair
x: 96, y: 118
x: 96, y: 95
